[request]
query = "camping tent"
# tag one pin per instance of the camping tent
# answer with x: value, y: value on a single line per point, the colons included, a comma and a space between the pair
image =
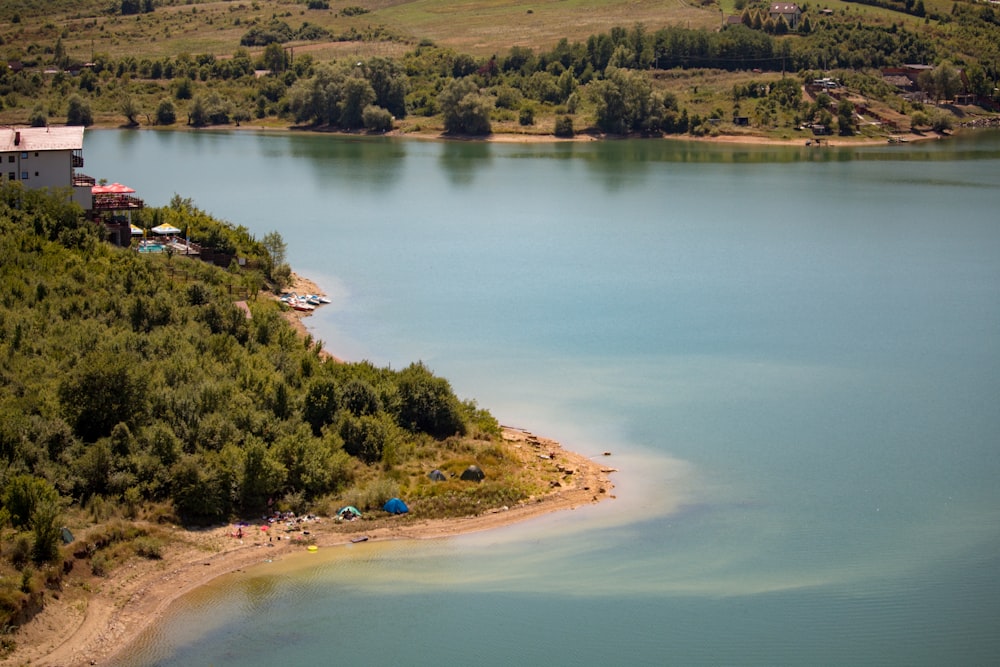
x: 473, y: 473
x: 349, y: 512
x: 396, y: 506
x: 437, y: 475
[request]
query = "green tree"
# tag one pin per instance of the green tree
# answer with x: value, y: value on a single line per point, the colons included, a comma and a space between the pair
x: 427, y: 403
x: 368, y: 437
x: 357, y: 94
x: 947, y: 81
x: 564, y: 126
x: 845, y: 118
x: 277, y: 249
x: 321, y: 403
x: 130, y: 109
x: 263, y: 475
x: 465, y: 110
x: 184, y: 89
x: 198, y: 112
x: 376, y: 119
x: 45, y: 528
x: 102, y: 390
x: 166, y: 114
x: 275, y: 58
x: 78, y: 112
x: 38, y: 117
x: 22, y: 497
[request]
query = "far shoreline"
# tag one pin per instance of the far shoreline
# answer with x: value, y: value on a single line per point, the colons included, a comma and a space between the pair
x: 819, y: 141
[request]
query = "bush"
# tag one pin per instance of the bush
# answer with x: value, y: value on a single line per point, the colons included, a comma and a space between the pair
x: 376, y: 119
x: 166, y: 114
x: 564, y: 126
x: 527, y: 116
x: 78, y: 112
x: 148, y: 547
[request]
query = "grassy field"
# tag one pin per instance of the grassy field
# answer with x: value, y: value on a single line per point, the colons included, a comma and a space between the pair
x: 477, y: 27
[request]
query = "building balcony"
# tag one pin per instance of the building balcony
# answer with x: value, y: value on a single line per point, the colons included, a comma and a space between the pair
x: 83, y: 181
x: 117, y: 202
x: 77, y: 160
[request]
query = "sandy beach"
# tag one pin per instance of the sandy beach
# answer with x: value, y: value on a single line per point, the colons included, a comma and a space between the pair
x: 91, y: 619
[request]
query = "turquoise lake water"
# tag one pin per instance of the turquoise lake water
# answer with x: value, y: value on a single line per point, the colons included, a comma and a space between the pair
x: 792, y: 353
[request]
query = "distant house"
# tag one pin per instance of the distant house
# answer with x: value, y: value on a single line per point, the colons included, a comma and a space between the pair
x: 786, y: 10
x: 46, y: 157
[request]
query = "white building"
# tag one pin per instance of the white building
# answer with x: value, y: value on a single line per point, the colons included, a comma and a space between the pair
x: 46, y: 157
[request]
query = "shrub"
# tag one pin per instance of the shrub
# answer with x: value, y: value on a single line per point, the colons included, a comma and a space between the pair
x: 148, y: 547
x: 166, y: 114
x: 564, y: 126
x: 376, y: 119
x: 78, y: 112
x: 527, y: 116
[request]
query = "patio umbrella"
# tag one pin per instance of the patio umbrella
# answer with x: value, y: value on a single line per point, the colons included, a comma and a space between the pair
x: 166, y: 229
x: 136, y: 231
x: 113, y: 189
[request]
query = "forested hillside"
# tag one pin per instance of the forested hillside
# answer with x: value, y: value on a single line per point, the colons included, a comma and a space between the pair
x: 401, y: 66
x: 134, y: 387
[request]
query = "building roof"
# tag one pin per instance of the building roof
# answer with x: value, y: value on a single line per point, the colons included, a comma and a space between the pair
x: 784, y: 8
x: 41, y: 138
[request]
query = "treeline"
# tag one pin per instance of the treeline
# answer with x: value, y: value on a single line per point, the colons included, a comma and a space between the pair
x: 579, y: 83
x: 136, y: 379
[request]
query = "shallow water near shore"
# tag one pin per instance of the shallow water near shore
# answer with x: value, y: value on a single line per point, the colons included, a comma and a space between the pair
x: 792, y: 353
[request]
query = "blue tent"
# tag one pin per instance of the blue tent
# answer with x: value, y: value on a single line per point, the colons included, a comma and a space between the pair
x: 396, y: 506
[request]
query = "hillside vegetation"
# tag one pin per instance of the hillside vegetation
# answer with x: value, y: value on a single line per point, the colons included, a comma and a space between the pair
x: 135, y: 388
x: 548, y: 68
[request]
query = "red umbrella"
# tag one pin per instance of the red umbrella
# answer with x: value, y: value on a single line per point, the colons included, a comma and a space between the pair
x: 113, y: 189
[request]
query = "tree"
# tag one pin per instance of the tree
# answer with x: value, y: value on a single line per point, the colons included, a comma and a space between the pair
x: 357, y: 94
x: 947, y: 82
x: 103, y: 389
x: 321, y: 404
x: 45, y: 527
x: 78, y: 112
x: 427, y: 403
x: 166, y: 114
x: 198, y: 113
x: 368, y: 437
x: 129, y: 109
x: 38, y: 117
x: 845, y: 118
x: 276, y: 248
x: 23, y: 495
x: 275, y: 58
x: 465, y: 110
x: 376, y: 119
x: 564, y: 126
x: 184, y: 89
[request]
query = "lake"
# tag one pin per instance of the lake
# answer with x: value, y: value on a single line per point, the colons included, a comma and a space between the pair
x: 793, y: 354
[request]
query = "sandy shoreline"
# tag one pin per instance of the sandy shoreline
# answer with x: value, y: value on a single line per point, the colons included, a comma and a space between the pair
x: 91, y: 621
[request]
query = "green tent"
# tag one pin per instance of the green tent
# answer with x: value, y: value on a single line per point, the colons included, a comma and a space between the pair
x: 349, y: 512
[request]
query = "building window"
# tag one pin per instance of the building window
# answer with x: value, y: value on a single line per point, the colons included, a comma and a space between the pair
x: 24, y: 156
x: 24, y: 175
x: 36, y: 154
x: 10, y: 158
x: 36, y: 174
x: 12, y: 176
